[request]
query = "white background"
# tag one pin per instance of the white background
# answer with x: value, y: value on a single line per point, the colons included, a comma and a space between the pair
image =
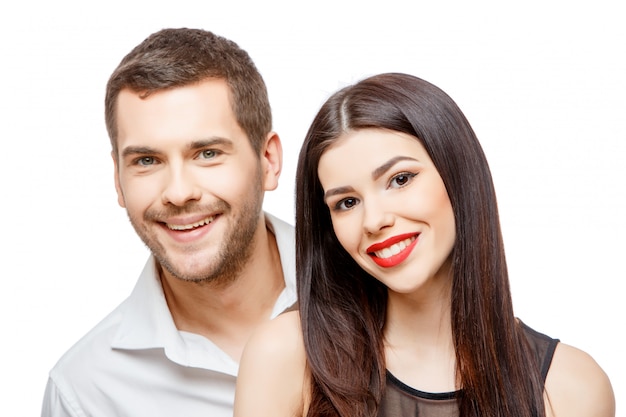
x: 542, y: 82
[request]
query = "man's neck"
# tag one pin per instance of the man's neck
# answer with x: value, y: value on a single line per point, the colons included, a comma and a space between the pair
x: 228, y: 314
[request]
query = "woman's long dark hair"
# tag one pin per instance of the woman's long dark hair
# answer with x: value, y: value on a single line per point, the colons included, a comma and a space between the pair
x: 343, y: 308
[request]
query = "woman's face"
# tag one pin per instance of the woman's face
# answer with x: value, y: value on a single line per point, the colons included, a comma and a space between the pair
x: 389, y: 207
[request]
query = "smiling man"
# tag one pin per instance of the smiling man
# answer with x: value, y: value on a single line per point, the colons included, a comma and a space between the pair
x: 190, y: 126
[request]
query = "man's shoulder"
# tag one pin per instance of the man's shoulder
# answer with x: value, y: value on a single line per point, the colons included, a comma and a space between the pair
x: 105, y: 374
x: 278, y: 226
x: 96, y: 343
x: 100, y: 340
x: 83, y: 370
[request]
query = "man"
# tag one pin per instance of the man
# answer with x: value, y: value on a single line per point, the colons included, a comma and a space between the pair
x: 190, y: 126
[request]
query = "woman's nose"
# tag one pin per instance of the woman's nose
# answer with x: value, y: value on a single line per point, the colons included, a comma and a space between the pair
x: 377, y: 216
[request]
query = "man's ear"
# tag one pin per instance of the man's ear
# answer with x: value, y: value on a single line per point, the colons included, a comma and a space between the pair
x: 118, y: 188
x: 271, y: 161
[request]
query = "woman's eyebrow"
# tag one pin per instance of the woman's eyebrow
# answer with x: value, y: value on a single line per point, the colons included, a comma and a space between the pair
x: 387, y: 165
x: 338, y: 190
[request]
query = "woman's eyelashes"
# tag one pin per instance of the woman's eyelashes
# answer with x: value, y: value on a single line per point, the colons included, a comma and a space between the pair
x: 401, y: 179
x: 345, y: 204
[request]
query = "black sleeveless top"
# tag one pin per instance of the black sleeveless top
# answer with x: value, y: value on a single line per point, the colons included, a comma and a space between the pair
x: 400, y: 400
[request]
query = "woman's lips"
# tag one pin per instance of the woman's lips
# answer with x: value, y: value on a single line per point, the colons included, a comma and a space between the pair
x: 394, y: 250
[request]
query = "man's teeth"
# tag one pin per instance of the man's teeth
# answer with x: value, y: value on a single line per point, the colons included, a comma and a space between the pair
x: 190, y: 226
x: 394, y: 249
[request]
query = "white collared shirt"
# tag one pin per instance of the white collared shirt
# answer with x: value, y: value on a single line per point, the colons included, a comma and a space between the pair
x: 136, y: 362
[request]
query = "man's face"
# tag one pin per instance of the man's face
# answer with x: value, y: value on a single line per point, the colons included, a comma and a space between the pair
x: 189, y: 179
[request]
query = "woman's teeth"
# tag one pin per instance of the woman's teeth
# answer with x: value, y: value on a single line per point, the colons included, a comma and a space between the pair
x: 394, y: 249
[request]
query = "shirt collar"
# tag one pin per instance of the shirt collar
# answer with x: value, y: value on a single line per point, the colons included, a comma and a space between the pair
x: 148, y: 324
x: 286, y: 242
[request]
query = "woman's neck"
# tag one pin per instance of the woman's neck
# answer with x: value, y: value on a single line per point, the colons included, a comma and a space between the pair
x: 419, y: 347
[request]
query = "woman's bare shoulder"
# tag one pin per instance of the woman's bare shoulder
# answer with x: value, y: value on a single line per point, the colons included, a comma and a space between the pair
x: 280, y: 338
x: 577, y: 386
x: 272, y: 379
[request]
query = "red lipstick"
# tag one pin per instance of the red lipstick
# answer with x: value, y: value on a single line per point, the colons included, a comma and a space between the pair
x: 394, y: 259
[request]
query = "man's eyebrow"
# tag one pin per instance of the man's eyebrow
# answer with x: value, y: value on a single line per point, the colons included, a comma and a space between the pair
x: 212, y: 141
x: 196, y: 144
x: 138, y: 150
x: 378, y: 172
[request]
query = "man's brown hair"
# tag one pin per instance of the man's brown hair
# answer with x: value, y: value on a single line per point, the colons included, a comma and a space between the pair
x: 173, y: 58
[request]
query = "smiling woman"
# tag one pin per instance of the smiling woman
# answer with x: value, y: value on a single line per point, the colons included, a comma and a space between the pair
x: 404, y: 299
x: 394, y: 187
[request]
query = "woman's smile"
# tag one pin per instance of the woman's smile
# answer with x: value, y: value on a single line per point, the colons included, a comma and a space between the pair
x: 393, y: 251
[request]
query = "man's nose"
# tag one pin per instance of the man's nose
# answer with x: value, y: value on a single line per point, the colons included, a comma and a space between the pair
x: 180, y: 187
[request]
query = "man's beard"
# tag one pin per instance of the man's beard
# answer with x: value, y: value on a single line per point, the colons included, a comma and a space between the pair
x: 234, y: 252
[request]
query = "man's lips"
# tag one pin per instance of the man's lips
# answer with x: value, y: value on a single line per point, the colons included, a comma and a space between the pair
x: 189, y: 225
x: 188, y: 230
x: 394, y: 250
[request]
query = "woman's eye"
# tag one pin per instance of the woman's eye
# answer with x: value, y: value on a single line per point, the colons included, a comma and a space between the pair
x: 346, y: 204
x: 401, y: 180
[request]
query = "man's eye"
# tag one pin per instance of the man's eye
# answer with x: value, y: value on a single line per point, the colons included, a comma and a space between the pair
x: 145, y: 161
x: 208, y: 154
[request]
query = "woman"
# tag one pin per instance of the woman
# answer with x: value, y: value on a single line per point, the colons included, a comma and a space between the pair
x: 404, y: 300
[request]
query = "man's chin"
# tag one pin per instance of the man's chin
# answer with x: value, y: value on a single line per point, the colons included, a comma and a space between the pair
x: 189, y: 274
x: 181, y: 272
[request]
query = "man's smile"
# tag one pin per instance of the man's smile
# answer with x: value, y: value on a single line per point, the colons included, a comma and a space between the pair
x: 190, y: 226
